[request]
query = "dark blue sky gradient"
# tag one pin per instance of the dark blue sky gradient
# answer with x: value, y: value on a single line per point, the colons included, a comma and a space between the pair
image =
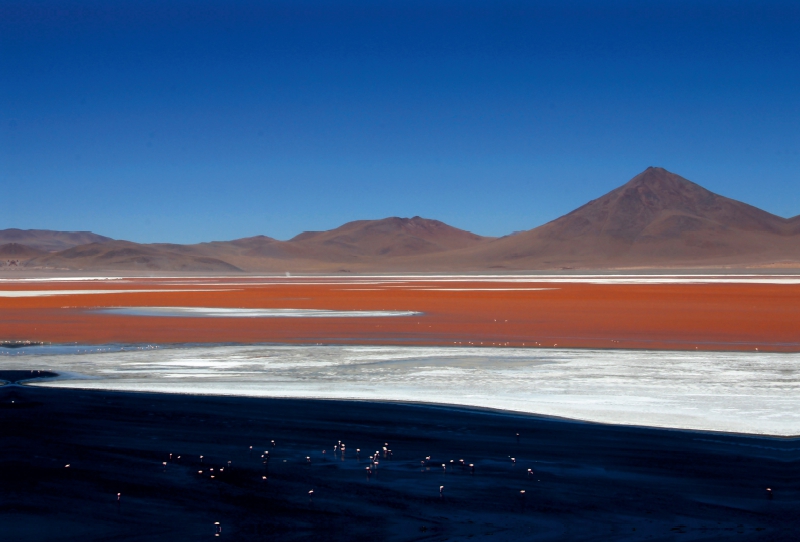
x: 215, y: 120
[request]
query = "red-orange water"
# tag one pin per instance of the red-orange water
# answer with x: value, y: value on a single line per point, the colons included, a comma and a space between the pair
x: 662, y: 316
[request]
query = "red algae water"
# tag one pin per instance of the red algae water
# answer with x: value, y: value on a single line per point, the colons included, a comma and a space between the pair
x: 681, y: 313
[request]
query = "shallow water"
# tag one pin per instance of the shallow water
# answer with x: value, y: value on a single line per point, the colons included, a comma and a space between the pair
x: 736, y: 392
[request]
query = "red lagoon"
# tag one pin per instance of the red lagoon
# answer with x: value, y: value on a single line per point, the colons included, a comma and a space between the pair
x: 455, y: 311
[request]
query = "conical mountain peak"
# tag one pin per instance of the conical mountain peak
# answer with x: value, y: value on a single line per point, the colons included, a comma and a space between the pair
x: 656, y: 218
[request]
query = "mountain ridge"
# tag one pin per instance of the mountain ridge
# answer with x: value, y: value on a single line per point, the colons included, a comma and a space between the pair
x: 50, y: 240
x: 656, y: 219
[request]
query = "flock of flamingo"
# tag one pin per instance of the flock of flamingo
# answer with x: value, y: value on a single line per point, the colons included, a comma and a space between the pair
x: 339, y: 449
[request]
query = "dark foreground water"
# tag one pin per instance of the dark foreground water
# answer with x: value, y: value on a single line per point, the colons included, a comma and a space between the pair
x: 182, y: 463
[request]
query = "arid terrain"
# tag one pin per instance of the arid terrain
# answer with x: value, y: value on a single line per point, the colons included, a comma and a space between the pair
x: 656, y: 220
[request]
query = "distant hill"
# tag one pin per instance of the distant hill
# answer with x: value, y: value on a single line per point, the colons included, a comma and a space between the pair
x: 656, y: 220
x: 387, y: 238
x: 794, y: 224
x: 127, y: 256
x: 20, y: 252
x: 50, y: 240
x: 359, y: 245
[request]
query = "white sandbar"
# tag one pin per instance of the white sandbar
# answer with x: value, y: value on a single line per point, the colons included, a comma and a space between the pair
x: 739, y: 392
x: 48, y: 293
x: 214, y: 312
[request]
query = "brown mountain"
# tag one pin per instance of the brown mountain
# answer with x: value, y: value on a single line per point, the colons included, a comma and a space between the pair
x: 127, y: 256
x: 794, y: 224
x: 50, y: 240
x: 362, y: 245
x: 656, y: 219
x: 15, y: 251
x: 259, y: 253
x: 387, y: 238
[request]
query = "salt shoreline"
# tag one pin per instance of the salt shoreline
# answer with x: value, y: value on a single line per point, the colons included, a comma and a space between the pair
x: 743, y: 393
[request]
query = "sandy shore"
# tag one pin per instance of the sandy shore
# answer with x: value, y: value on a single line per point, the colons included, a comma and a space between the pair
x: 588, y: 482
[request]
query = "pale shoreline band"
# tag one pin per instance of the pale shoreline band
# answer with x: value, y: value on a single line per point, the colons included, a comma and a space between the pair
x: 216, y: 312
x: 736, y: 392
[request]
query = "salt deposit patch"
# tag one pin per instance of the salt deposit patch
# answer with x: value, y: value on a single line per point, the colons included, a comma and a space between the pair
x: 753, y: 393
x: 212, y: 312
x: 48, y: 293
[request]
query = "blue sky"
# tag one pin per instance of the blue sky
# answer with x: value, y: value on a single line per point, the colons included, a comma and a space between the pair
x: 200, y: 120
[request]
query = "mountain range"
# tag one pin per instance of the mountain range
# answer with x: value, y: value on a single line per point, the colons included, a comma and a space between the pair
x: 655, y: 220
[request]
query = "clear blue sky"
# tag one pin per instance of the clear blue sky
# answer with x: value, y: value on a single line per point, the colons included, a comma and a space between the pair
x: 190, y: 121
